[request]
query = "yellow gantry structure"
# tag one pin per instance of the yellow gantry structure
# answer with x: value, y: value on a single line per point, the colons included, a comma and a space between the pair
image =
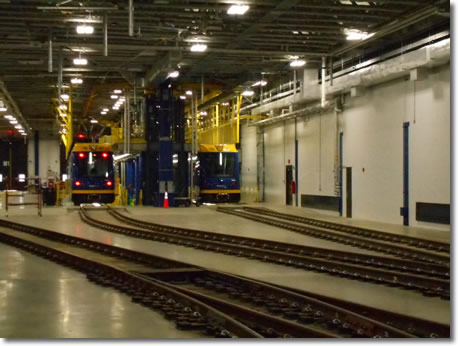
x: 65, y: 120
x: 219, y: 123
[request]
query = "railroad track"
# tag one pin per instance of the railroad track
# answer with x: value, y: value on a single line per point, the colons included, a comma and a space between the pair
x: 213, y: 303
x: 354, y: 230
x: 401, y: 251
x: 326, y: 261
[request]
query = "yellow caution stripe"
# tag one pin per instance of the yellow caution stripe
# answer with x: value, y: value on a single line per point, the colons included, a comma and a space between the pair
x: 92, y: 192
x: 219, y: 191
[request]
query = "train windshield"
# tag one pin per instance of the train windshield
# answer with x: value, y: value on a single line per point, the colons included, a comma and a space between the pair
x: 94, y: 165
x: 219, y: 164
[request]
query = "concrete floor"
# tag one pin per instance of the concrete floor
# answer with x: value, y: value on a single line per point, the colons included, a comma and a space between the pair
x: 40, y: 299
x: 206, y: 218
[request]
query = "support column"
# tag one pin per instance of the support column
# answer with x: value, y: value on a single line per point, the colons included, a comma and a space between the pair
x: 36, y: 143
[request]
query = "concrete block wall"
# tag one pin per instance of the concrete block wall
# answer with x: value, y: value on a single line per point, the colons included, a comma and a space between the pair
x: 372, y: 126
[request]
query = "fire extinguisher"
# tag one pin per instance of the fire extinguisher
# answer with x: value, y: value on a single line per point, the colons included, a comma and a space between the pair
x: 293, y: 187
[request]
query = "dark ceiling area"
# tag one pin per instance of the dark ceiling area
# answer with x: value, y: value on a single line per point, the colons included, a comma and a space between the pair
x: 158, y: 41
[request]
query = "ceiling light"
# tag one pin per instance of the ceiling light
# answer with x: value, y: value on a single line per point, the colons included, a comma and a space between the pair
x: 80, y: 61
x: 64, y: 97
x: 103, y: 112
x: 183, y: 97
x: 225, y: 104
x: 105, y: 109
x: 238, y: 9
x: 85, y: 29
x: 173, y: 74
x: 297, y: 63
x: 18, y: 127
x: 356, y: 35
x: 117, y: 91
x: 115, y: 107
x: 296, y: 32
x: 3, y: 109
x: 198, y: 47
x: 9, y: 116
x: 13, y: 122
x: 114, y: 97
x: 76, y: 81
x: 93, y: 121
x: 189, y: 92
x: 260, y: 83
x: 63, y: 107
x: 24, y: 134
x: 248, y: 93
x: 203, y: 113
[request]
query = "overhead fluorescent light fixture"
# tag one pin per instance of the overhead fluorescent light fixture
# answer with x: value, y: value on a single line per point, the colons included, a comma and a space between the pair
x: 297, y: 63
x: 76, y: 81
x: 24, y: 134
x: 203, y: 113
x: 80, y: 61
x: 13, y: 122
x: 114, y: 97
x: 63, y: 107
x: 238, y: 10
x: 248, y: 93
x: 18, y: 127
x: 198, y: 47
x: 225, y: 104
x: 260, y: 83
x: 64, y: 97
x: 93, y: 121
x: 189, y: 92
x: 117, y: 91
x: 84, y: 29
x: 173, y: 74
x: 3, y: 109
x: 115, y: 107
x: 356, y: 35
x: 103, y: 113
x: 183, y: 97
x: 105, y: 110
x: 9, y: 117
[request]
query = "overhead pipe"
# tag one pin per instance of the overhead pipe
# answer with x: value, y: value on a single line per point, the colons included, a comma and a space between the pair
x: 131, y: 18
x: 105, y: 35
x: 50, y: 51
x: 323, y: 81
x: 60, y: 74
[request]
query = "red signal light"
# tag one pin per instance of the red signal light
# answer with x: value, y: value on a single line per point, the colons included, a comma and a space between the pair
x: 81, y: 136
x: 105, y: 155
x: 77, y: 183
x: 81, y: 155
x: 109, y: 183
x: 10, y: 132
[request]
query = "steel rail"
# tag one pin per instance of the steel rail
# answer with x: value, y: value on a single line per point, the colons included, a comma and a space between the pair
x: 131, y: 283
x: 428, y: 269
x: 360, y: 231
x: 154, y: 293
x: 426, y: 285
x: 361, y: 242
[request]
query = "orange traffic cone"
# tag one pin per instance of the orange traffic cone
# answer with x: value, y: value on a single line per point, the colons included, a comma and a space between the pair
x: 166, y: 200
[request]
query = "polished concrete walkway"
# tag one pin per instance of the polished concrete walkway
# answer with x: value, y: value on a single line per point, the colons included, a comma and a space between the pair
x: 206, y: 218
x: 40, y: 299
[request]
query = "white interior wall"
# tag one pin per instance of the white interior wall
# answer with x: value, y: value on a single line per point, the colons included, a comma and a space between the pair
x: 49, y: 157
x: 372, y: 126
x: 248, y: 174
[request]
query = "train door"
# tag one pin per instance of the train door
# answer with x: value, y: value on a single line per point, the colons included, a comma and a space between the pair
x: 289, y: 181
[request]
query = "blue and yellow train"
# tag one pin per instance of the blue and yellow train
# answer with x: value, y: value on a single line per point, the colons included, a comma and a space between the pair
x: 92, y: 173
x: 219, y: 173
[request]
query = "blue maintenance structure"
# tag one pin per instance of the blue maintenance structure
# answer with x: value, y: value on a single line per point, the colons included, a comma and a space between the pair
x: 164, y: 163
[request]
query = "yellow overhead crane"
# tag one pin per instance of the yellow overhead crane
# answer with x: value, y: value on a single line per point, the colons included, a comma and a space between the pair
x: 65, y: 118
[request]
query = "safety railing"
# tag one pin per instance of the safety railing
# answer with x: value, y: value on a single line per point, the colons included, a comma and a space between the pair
x: 31, y: 189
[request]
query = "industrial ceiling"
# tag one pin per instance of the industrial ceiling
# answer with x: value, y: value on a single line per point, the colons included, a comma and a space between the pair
x: 140, y: 41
